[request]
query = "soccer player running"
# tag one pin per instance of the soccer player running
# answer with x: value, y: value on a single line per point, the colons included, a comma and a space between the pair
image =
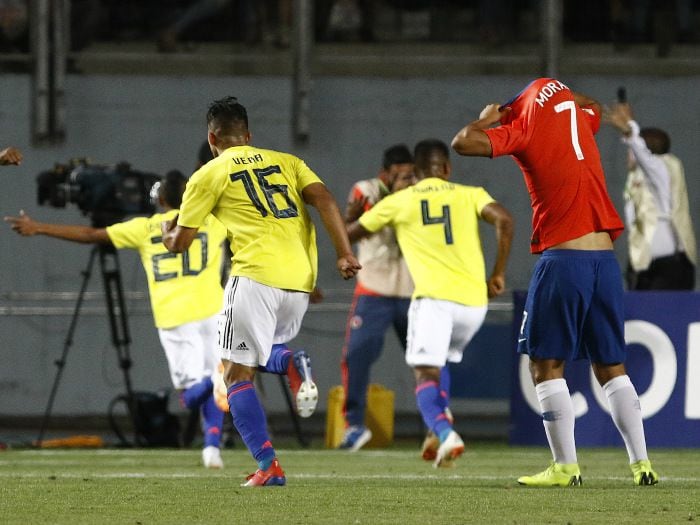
x: 436, y: 223
x: 574, y: 306
x: 185, y: 293
x: 260, y: 196
x: 382, y: 293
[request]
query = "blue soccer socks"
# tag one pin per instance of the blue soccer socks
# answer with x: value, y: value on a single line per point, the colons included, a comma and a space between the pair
x: 445, y: 385
x: 194, y: 396
x: 278, y: 361
x: 249, y: 420
x: 212, y: 421
x: 432, y: 409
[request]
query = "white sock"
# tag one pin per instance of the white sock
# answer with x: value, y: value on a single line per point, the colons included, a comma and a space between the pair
x: 558, y: 418
x: 627, y: 415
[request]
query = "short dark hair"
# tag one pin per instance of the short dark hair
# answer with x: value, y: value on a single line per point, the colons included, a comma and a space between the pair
x: 657, y: 140
x: 172, y: 188
x: 425, y: 151
x: 228, y: 113
x: 397, y: 154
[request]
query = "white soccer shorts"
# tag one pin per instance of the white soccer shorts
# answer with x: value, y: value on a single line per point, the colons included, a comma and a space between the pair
x: 255, y: 317
x: 191, y: 351
x: 438, y: 331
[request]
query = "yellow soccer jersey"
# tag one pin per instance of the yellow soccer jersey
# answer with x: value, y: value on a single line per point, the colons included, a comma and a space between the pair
x: 184, y: 287
x: 256, y: 194
x: 436, y: 224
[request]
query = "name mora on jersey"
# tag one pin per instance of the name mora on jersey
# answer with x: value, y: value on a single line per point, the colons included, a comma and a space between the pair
x: 549, y: 89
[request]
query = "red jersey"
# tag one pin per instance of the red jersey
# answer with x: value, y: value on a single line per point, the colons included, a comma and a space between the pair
x: 551, y: 139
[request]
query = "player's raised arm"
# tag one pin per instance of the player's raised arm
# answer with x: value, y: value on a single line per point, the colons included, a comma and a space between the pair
x: 471, y: 139
x: 619, y: 116
x: 318, y: 196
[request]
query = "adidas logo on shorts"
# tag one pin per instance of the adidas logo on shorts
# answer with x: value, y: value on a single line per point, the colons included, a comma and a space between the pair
x: 242, y: 346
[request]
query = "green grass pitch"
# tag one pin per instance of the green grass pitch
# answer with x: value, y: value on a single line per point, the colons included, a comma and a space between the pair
x: 393, y: 486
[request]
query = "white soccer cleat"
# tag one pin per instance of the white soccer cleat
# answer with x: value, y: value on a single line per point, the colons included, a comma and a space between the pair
x: 211, y: 457
x: 449, y: 450
x: 307, y: 399
x: 302, y: 384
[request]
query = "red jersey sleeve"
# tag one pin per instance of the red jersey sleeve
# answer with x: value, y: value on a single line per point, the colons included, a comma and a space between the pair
x: 592, y: 117
x: 508, y: 139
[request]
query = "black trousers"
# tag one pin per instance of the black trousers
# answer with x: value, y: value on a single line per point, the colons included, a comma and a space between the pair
x: 674, y: 272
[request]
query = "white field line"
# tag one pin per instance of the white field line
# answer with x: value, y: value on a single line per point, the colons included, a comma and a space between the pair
x: 303, y: 475
x: 282, y: 452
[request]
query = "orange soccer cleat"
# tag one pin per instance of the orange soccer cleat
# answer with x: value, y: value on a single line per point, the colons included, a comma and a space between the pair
x: 273, y: 476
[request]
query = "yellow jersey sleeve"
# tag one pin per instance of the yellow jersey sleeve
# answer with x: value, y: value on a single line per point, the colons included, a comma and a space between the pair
x: 198, y: 201
x: 128, y: 234
x: 380, y: 215
x: 305, y: 174
x: 481, y: 198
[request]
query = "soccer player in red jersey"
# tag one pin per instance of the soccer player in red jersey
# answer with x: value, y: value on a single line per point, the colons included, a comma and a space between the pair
x: 574, y: 306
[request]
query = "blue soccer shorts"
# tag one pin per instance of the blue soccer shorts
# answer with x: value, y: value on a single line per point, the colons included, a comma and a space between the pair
x: 575, y: 308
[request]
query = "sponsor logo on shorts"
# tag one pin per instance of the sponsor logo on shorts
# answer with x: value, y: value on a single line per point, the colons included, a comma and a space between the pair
x: 355, y: 322
x: 242, y: 346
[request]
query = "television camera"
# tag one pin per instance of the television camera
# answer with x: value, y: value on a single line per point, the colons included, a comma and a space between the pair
x: 107, y: 194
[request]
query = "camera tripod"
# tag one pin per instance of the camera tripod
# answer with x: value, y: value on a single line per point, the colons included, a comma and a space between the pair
x: 114, y: 295
x: 116, y: 309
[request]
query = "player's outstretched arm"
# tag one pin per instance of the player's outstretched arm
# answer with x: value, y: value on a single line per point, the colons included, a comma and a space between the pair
x: 318, y: 196
x: 26, y: 226
x: 471, y: 139
x: 500, y: 217
x: 10, y: 156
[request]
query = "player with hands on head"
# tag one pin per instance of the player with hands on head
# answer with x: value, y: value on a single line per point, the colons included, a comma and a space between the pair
x: 261, y: 196
x: 574, y: 305
x: 436, y: 224
x: 185, y: 293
